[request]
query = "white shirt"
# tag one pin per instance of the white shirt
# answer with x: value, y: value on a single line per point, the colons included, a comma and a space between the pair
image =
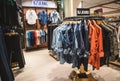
x: 31, y: 17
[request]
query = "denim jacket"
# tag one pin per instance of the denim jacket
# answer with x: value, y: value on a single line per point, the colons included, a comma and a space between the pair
x: 43, y: 17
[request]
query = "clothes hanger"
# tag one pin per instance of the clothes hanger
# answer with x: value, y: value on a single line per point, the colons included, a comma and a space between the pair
x: 98, y: 22
x: 104, y: 22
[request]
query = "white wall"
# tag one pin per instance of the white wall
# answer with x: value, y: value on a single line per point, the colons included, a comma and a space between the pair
x: 76, y: 4
x: 68, y: 8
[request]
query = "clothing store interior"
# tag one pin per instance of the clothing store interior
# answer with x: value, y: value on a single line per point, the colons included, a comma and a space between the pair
x: 59, y: 40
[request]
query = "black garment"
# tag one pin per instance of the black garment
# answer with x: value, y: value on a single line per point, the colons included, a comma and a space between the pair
x: 106, y: 44
x: 2, y: 12
x: 8, y: 12
x: 84, y: 29
x: 106, y: 40
x: 83, y: 61
x: 5, y: 70
x: 14, y: 49
x: 51, y: 27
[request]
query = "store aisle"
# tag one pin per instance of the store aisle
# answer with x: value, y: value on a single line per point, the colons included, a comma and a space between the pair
x: 41, y: 67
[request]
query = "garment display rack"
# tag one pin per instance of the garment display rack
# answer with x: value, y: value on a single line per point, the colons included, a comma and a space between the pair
x: 81, y: 69
x: 117, y: 20
x: 51, y: 27
x: 77, y: 18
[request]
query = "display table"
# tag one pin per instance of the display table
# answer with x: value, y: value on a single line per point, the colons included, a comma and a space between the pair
x: 90, y: 78
x: 81, y: 75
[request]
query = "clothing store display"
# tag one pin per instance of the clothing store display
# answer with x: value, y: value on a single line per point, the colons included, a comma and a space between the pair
x: 36, y: 37
x: 86, y: 42
x: 43, y: 18
x: 5, y: 69
x: 31, y: 17
x: 55, y: 17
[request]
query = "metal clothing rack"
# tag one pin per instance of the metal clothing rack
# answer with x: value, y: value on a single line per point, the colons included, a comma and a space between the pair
x: 50, y: 39
x: 117, y: 20
x: 81, y: 70
x: 77, y: 18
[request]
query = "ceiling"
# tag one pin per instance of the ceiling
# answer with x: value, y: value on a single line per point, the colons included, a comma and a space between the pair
x: 108, y: 6
x: 94, y: 3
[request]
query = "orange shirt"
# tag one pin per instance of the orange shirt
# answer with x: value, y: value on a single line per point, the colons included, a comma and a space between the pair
x: 96, y: 47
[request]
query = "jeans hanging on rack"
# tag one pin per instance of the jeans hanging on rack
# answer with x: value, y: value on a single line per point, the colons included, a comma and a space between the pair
x: 5, y: 70
x: 51, y: 27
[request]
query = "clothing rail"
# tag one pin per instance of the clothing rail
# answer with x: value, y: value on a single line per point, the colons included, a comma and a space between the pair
x: 118, y: 20
x: 76, y: 18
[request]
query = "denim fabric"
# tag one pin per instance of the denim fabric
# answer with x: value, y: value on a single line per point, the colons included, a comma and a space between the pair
x: 46, y: 35
x: 42, y: 36
x: 28, y: 38
x: 75, y: 35
x: 43, y: 17
x: 32, y: 39
x: 57, y: 39
x: 85, y: 36
x: 79, y: 36
x: 68, y: 42
x: 84, y: 29
x: 50, y: 35
x: 71, y: 37
x: 54, y: 17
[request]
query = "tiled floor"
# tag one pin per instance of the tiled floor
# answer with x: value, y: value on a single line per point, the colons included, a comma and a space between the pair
x: 41, y: 67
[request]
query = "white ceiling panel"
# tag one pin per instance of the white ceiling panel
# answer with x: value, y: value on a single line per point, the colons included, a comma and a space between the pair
x: 113, y: 5
x: 90, y: 3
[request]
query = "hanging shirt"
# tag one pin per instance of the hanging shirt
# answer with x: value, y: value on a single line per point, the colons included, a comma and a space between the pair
x: 96, y: 48
x: 115, y: 40
x: 54, y: 17
x: 118, y: 37
x: 31, y: 17
x: 43, y: 17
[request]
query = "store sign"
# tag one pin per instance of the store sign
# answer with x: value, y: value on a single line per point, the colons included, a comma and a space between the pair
x: 39, y: 3
x: 83, y: 11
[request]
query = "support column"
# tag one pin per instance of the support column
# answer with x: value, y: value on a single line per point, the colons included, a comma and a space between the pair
x: 77, y: 4
x: 68, y: 8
